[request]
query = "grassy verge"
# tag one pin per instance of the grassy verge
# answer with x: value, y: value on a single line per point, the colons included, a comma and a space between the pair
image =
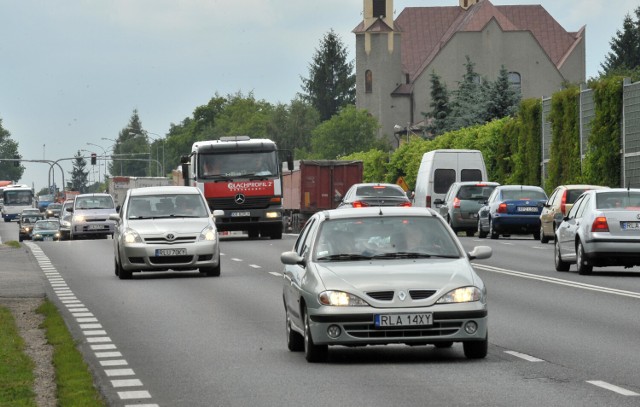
x: 16, y: 369
x: 73, y: 380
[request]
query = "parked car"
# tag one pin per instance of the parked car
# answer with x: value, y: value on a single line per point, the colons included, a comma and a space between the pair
x: 558, y: 206
x: 602, y: 229
x: 91, y: 216
x: 512, y: 210
x: 26, y: 222
x: 374, y: 194
x: 53, y: 210
x: 46, y: 229
x: 462, y: 202
x: 376, y: 276
x: 165, y: 228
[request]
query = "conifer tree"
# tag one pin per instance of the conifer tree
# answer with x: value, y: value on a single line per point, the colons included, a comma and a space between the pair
x: 625, y: 47
x: 440, y: 108
x: 502, y: 99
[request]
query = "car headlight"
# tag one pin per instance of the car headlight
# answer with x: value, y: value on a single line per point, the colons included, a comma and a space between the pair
x: 37, y: 236
x: 208, y: 234
x: 131, y: 236
x: 463, y: 294
x: 78, y: 218
x: 341, y: 299
x: 65, y: 224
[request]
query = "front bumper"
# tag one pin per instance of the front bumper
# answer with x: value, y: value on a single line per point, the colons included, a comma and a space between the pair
x: 142, y: 256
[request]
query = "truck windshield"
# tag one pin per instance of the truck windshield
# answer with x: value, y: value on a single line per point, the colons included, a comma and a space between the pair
x: 256, y: 165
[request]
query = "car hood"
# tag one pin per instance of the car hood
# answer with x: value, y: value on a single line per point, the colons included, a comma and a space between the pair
x: 94, y: 213
x: 164, y: 225
x: 397, y: 274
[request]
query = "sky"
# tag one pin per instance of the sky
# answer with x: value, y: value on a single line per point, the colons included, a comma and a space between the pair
x: 72, y: 72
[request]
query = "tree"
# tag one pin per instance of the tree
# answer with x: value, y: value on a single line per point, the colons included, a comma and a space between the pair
x: 502, y: 99
x: 348, y: 131
x: 132, y: 153
x: 332, y: 82
x: 440, y: 108
x: 78, y: 174
x: 470, y: 100
x: 291, y: 126
x: 9, y: 171
x: 625, y: 47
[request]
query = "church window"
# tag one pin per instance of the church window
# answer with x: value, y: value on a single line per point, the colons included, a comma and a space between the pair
x: 379, y: 8
x: 368, y: 81
x: 515, y: 81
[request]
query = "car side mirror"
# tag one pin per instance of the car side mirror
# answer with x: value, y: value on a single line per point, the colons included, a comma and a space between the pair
x: 114, y: 217
x: 218, y: 213
x: 480, y: 252
x: 438, y: 202
x: 292, y: 259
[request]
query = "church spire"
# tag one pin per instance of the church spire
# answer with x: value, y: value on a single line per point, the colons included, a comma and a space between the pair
x: 378, y: 9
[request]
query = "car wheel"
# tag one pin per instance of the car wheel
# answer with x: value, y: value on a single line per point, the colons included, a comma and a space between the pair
x: 536, y: 236
x: 211, y: 271
x: 443, y: 345
x: 312, y: 352
x: 492, y: 231
x: 560, y: 264
x: 276, y: 235
x: 481, y: 234
x: 476, y: 349
x: 581, y: 260
x: 542, y: 237
x: 253, y: 234
x: 122, y: 273
x: 295, y: 341
x: 471, y: 233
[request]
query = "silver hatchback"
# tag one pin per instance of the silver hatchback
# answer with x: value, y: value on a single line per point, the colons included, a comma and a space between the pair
x: 601, y: 229
x: 165, y: 228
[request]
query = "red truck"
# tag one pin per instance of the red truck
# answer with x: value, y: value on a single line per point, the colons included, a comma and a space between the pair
x: 315, y: 185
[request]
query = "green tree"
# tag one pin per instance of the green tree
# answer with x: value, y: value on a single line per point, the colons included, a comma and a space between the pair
x: 625, y: 47
x: 332, y: 82
x: 348, y: 131
x: 502, y: 98
x: 9, y: 171
x: 79, y: 174
x: 291, y: 126
x: 132, y: 152
x: 439, y: 116
x: 470, y: 100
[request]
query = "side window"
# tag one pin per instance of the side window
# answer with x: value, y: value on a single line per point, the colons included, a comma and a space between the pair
x: 554, y: 197
x: 302, y: 244
x: 442, y: 180
x: 583, y: 206
x: 574, y: 209
x: 450, y: 194
x: 470, y: 175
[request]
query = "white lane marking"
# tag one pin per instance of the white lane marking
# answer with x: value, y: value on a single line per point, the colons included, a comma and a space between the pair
x: 108, y: 354
x: 108, y: 346
x: 80, y: 320
x: 94, y: 333
x: 126, y: 383
x: 82, y: 314
x: 524, y: 356
x: 613, y: 388
x: 119, y: 372
x: 128, y: 395
x: 507, y: 243
x: 236, y: 259
x: 558, y: 281
x: 90, y: 326
x: 117, y: 362
x: 99, y: 340
x: 255, y: 266
x: 274, y: 273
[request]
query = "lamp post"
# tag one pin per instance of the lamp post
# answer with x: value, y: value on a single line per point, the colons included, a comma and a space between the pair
x: 104, y: 153
x: 146, y: 134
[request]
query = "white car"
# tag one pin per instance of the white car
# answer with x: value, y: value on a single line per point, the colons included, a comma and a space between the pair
x: 165, y: 228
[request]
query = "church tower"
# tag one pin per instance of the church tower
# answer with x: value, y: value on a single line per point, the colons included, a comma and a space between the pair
x: 465, y: 4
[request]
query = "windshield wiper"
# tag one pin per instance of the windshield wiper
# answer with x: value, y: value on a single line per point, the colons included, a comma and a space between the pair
x: 398, y: 255
x: 344, y: 257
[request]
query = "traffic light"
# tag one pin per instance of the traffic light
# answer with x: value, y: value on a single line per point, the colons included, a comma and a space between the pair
x: 17, y: 162
x: 93, y: 158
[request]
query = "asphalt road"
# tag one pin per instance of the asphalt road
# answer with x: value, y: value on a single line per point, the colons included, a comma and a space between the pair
x: 181, y: 339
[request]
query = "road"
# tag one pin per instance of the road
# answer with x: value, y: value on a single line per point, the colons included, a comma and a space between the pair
x: 181, y: 339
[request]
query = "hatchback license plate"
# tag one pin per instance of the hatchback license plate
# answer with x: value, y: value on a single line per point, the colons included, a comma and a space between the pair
x: 170, y: 252
x: 240, y: 214
x: 391, y: 320
x: 630, y: 225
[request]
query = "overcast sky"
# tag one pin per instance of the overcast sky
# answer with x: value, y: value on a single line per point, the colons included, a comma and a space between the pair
x: 73, y: 71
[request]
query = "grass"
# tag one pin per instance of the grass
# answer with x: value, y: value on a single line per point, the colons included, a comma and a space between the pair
x: 74, y: 383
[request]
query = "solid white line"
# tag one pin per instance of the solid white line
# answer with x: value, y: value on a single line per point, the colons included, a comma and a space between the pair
x: 613, y: 388
x: 128, y: 395
x: 523, y: 356
x: 126, y: 383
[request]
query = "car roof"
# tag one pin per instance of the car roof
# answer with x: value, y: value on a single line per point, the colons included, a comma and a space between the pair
x: 582, y: 186
x: 94, y: 194
x: 373, y: 211
x: 511, y: 187
x: 164, y: 190
x: 488, y: 183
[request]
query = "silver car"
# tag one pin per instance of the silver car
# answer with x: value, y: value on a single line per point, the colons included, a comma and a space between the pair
x: 91, y: 216
x: 375, y: 276
x: 462, y: 202
x: 165, y: 228
x: 601, y: 229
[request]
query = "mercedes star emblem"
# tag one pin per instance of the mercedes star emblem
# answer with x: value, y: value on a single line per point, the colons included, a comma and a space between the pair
x: 239, y: 199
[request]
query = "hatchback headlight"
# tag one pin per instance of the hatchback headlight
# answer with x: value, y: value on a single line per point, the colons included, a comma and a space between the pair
x: 131, y: 236
x: 463, y: 294
x: 341, y: 299
x: 65, y: 223
x: 208, y: 234
x: 78, y: 218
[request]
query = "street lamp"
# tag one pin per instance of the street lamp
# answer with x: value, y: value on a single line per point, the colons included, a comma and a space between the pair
x: 161, y: 138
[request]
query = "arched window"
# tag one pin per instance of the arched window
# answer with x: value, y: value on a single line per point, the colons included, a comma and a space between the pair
x: 515, y: 81
x: 368, y: 81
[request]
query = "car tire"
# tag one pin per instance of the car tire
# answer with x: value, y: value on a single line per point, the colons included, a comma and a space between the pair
x: 476, y: 349
x: 543, y: 238
x: 253, y: 234
x: 443, y: 345
x: 122, y: 273
x: 211, y: 271
x: 492, y: 231
x: 560, y: 264
x: 536, y: 236
x: 581, y: 260
x: 312, y: 352
x: 276, y: 235
x: 471, y: 233
x: 481, y: 234
x: 295, y: 341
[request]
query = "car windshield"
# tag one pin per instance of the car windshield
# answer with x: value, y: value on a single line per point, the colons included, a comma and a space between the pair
x: 618, y: 200
x: 166, y: 206
x: 47, y: 225
x: 523, y: 194
x: 94, y: 202
x: 384, y: 238
x: 475, y: 192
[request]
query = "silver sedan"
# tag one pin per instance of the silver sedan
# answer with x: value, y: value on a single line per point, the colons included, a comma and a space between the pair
x: 376, y: 276
x: 601, y: 229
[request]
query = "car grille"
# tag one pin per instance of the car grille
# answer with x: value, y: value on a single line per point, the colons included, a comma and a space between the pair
x: 388, y: 295
x: 95, y: 220
x: 171, y: 260
x: 229, y: 203
x: 163, y: 240
x: 370, y: 331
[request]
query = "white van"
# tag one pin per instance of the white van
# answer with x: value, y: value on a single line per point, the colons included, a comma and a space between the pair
x: 441, y: 168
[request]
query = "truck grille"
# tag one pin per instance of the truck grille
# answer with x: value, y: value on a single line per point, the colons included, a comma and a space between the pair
x: 249, y: 203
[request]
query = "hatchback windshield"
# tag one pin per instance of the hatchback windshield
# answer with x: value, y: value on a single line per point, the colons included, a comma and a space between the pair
x: 159, y: 206
x: 94, y: 202
x: 384, y: 237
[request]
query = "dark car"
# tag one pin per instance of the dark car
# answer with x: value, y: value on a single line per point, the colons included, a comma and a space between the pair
x: 53, y: 210
x: 46, y: 229
x: 461, y: 204
x: 372, y: 194
x: 26, y: 222
x: 512, y: 210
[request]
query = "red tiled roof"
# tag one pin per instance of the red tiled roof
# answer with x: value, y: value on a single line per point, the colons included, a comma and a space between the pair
x: 425, y: 30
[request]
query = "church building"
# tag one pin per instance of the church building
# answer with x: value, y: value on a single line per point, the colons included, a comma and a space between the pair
x: 396, y: 57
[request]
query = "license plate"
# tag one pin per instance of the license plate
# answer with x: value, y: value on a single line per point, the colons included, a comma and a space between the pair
x: 527, y: 209
x: 170, y: 252
x: 240, y: 214
x: 630, y: 225
x: 391, y: 320
x: 95, y: 227
x: 47, y: 238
